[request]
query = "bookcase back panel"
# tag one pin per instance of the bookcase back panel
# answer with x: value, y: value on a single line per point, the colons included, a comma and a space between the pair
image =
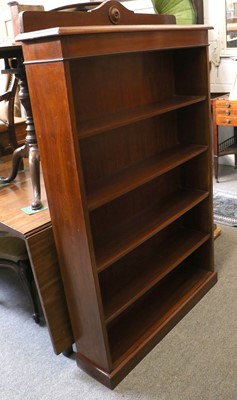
x: 134, y: 205
x: 191, y: 77
x: 193, y: 123
x: 126, y: 81
x: 198, y: 174
x: 149, y: 197
x: 136, y: 272
x: 103, y: 155
x: 201, y: 216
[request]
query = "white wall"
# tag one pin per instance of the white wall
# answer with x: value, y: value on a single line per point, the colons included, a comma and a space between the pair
x: 223, y: 69
x: 138, y: 5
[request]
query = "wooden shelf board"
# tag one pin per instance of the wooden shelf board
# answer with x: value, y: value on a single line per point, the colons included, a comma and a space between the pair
x: 158, y: 265
x: 130, y: 178
x: 121, y: 241
x: 92, y: 127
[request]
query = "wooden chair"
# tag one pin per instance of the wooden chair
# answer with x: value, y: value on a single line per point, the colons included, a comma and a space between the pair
x: 13, y: 255
x: 8, y: 87
x: 16, y: 9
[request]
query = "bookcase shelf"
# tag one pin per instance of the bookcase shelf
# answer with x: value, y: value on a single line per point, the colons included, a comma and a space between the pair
x: 130, y: 178
x: 167, y: 300
x: 126, y: 156
x: 123, y: 238
x: 112, y: 121
x: 159, y: 262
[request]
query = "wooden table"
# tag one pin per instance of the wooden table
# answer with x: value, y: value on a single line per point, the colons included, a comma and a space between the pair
x: 224, y: 114
x: 36, y: 231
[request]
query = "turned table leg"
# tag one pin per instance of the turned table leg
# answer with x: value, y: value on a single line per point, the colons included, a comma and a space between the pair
x: 30, y: 148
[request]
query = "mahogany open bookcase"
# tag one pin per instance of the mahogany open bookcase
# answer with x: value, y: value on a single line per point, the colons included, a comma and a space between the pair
x: 122, y: 116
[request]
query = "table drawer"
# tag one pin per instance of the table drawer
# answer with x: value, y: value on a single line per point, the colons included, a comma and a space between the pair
x: 226, y: 112
x: 225, y: 103
x: 226, y: 120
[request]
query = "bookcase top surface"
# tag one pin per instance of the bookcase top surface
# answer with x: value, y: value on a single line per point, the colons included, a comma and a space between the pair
x: 71, y: 43
x: 82, y: 30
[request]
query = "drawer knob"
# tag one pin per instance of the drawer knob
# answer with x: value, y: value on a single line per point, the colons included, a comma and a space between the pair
x: 227, y: 112
x: 227, y: 104
x: 227, y: 121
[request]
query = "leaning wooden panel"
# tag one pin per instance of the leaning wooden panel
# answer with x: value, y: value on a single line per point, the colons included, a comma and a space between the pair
x: 43, y: 20
x: 43, y: 257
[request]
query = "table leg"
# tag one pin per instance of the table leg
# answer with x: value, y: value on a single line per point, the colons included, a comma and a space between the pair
x: 30, y: 148
x: 215, y: 143
x: 31, y: 141
x: 216, y: 167
x: 235, y: 136
x: 34, y: 166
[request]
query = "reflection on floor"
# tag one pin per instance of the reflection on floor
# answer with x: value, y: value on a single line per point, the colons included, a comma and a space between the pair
x: 228, y: 183
x: 227, y: 179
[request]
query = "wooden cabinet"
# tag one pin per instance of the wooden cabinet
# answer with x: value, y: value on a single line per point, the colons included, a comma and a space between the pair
x: 122, y: 116
x: 224, y: 114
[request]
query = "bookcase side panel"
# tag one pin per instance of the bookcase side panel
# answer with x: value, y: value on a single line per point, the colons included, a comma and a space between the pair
x: 57, y: 135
